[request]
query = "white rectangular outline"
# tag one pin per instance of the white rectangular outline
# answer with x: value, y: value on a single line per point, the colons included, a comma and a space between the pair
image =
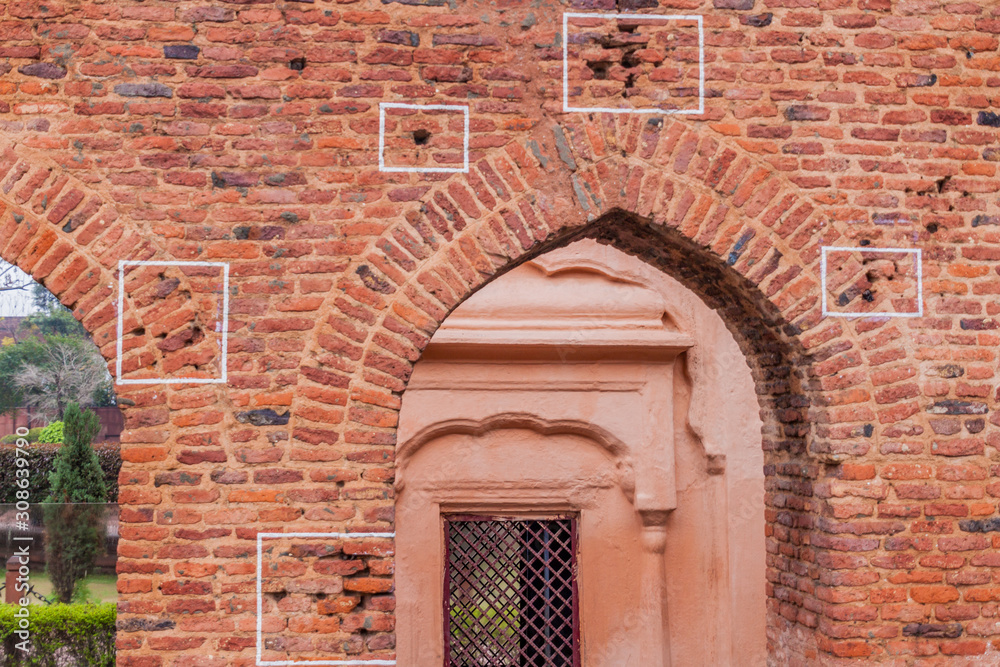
x: 424, y: 107
x: 920, y: 280
x: 260, y: 599
x: 669, y: 17
x: 121, y: 307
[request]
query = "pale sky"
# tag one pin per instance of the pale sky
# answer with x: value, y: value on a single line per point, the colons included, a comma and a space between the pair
x: 18, y: 301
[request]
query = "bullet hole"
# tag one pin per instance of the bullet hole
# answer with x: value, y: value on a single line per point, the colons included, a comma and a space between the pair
x: 421, y: 137
x: 141, y: 331
x: 629, y: 61
x: 868, y: 296
x: 599, y: 68
x: 865, y: 242
x: 629, y: 85
x: 932, y: 227
x: 297, y: 64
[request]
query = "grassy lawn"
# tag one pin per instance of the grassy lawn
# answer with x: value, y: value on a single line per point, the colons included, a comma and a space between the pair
x: 103, y: 587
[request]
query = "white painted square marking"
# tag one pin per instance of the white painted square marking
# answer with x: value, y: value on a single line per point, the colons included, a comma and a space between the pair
x: 121, y: 306
x: 918, y: 260
x: 652, y: 17
x: 422, y: 107
x: 260, y: 598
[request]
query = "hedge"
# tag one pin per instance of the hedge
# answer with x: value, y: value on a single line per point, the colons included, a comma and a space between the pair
x: 41, y: 459
x: 86, y: 630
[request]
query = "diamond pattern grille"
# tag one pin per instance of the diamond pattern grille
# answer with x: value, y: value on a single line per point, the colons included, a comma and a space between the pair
x: 511, y: 593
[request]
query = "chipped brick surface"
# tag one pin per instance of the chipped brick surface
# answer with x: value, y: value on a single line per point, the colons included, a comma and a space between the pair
x: 248, y: 133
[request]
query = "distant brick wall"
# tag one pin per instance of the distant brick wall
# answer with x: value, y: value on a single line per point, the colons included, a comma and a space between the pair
x: 248, y: 133
x: 110, y: 418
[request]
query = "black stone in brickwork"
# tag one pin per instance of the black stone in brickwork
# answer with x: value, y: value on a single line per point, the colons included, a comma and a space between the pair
x: 632, y: 5
x: 265, y: 233
x: 266, y: 417
x: 933, y: 630
x: 143, y: 90
x: 43, y: 70
x: 980, y: 525
x: 980, y: 220
x: 144, y: 624
x: 977, y: 324
x: 401, y: 37
x: 592, y: 4
x: 988, y: 118
x: 757, y: 20
x: 181, y: 51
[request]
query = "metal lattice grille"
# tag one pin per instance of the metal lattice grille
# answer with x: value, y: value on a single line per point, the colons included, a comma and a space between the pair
x: 511, y: 593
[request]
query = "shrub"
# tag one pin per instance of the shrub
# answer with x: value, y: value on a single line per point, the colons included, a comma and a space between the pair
x: 41, y: 458
x: 51, y: 433
x: 72, y: 527
x: 88, y: 632
x: 33, y: 435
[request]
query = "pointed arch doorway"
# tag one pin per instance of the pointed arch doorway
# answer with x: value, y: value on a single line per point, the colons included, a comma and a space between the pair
x: 580, y: 477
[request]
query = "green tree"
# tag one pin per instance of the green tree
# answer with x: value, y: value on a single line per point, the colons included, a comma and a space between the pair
x: 48, y: 373
x: 42, y: 299
x: 12, y: 359
x: 55, y: 320
x: 75, y: 506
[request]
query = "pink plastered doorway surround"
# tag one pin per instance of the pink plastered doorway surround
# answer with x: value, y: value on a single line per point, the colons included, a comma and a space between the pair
x: 586, y: 382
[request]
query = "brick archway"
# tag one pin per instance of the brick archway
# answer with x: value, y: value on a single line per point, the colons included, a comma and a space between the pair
x: 708, y: 214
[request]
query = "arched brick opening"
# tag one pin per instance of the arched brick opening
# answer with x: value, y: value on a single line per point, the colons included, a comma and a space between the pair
x: 780, y: 369
x: 708, y: 215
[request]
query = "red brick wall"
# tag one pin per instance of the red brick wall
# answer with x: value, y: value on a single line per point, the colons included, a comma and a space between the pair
x: 826, y: 123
